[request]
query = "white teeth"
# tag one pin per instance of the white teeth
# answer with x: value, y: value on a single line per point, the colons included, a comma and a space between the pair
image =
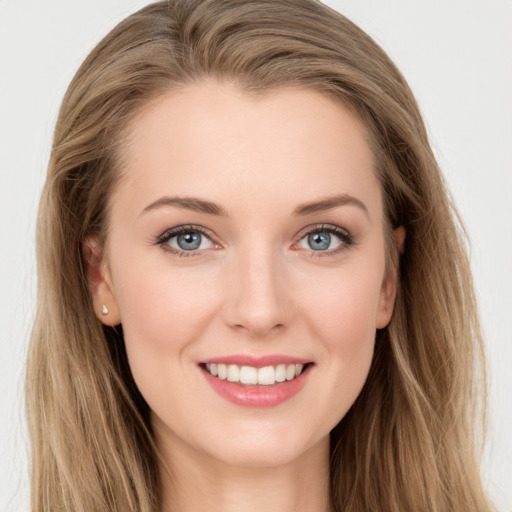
x: 233, y: 373
x: 248, y: 375
x: 280, y: 373
x: 266, y: 376
x: 222, y: 371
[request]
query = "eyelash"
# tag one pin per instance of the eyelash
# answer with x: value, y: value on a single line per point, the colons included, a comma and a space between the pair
x: 180, y: 230
x: 347, y: 239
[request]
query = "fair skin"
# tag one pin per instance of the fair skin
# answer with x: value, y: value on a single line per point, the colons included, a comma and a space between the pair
x: 259, y: 265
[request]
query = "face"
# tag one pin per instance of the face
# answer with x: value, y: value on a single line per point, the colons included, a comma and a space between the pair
x: 246, y: 243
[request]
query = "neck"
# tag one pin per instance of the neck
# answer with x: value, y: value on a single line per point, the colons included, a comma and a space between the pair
x: 194, y: 481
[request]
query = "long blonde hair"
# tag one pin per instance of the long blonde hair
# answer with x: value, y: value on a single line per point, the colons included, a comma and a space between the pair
x: 409, y: 441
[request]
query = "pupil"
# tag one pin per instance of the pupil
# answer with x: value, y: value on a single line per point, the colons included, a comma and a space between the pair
x: 189, y: 241
x: 319, y: 241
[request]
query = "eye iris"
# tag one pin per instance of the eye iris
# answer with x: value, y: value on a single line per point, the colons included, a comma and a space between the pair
x: 319, y: 241
x: 189, y: 241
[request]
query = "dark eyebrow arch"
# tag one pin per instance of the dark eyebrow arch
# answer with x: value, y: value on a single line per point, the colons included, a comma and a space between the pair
x: 188, y: 203
x: 328, y: 203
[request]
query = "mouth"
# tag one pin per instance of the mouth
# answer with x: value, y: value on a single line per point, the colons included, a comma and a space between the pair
x: 262, y: 383
x: 254, y: 376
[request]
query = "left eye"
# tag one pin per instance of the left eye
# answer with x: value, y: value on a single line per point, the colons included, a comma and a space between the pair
x: 189, y: 240
x: 322, y: 240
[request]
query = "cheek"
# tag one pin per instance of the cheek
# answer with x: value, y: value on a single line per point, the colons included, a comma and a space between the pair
x: 343, y: 319
x: 158, y: 303
x: 162, y: 313
x: 346, y: 310
x: 348, y: 326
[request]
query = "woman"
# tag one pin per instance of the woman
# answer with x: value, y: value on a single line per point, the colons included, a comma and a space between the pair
x: 256, y: 292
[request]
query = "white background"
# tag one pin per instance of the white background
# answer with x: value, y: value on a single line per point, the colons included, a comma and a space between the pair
x: 457, y: 56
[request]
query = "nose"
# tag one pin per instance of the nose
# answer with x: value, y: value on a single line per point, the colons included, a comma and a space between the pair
x: 258, y: 300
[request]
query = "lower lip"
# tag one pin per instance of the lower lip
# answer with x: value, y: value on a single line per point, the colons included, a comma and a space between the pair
x: 257, y: 396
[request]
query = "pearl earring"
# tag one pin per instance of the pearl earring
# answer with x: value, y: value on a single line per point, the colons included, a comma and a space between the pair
x: 104, y: 310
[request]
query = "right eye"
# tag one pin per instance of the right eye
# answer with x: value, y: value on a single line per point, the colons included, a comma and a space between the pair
x: 185, y: 240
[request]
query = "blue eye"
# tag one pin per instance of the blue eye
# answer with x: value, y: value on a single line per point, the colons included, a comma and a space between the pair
x: 188, y: 241
x: 185, y: 239
x: 325, y: 239
x: 319, y: 241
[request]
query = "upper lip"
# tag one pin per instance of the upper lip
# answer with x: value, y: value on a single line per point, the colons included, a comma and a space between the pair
x: 256, y: 361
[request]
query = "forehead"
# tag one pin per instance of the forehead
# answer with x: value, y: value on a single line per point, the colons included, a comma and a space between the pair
x: 212, y: 139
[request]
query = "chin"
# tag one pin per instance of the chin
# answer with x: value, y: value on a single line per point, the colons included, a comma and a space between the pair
x: 264, y: 449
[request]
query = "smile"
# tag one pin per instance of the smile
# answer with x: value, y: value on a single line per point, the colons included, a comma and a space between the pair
x: 257, y: 382
x: 250, y: 375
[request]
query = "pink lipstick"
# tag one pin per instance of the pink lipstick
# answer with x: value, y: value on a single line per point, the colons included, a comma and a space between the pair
x: 256, y: 381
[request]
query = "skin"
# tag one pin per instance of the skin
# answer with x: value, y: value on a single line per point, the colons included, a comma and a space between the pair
x: 254, y: 287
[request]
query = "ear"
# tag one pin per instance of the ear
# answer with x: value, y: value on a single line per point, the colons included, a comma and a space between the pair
x: 389, y: 283
x: 100, y: 283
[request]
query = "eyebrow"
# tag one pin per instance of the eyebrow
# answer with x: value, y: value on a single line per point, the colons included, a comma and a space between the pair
x: 189, y: 203
x: 202, y: 206
x: 328, y: 203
